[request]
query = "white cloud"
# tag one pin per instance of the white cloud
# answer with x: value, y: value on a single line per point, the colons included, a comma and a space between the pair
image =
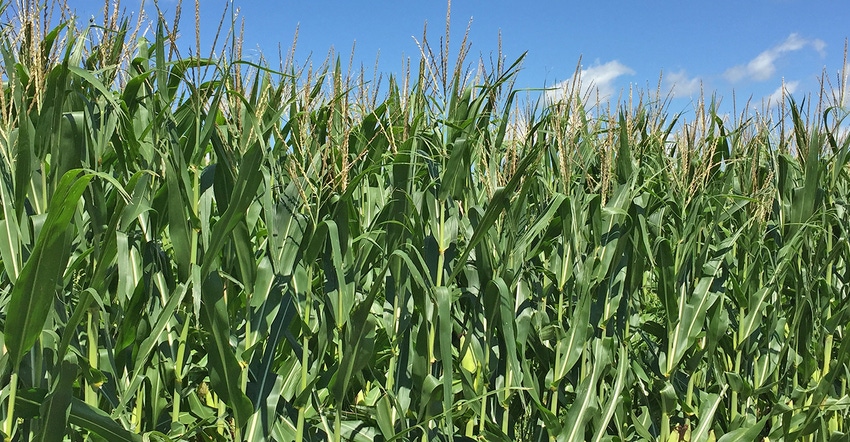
x: 763, y: 66
x: 680, y: 85
x: 778, y: 96
x: 597, y: 78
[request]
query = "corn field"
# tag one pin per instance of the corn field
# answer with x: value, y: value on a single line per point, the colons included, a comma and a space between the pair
x: 205, y: 248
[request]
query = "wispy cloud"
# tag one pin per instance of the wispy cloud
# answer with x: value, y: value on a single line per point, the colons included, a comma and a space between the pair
x: 597, y: 78
x: 763, y: 66
x: 679, y: 84
x: 778, y: 96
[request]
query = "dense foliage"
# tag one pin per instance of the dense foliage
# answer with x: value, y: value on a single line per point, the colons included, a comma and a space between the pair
x: 210, y: 249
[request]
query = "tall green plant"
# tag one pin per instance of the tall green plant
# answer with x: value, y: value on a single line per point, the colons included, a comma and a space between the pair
x: 208, y: 248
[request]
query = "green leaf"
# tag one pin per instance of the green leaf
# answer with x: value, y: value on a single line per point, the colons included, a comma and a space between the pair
x: 178, y: 224
x: 97, y: 84
x: 23, y: 160
x: 244, y: 192
x: 709, y: 406
x: 613, y: 401
x: 625, y: 168
x: 745, y: 434
x: 580, y: 412
x: 81, y: 415
x: 500, y: 201
x: 444, y: 317
x: 691, y: 319
x: 145, y: 351
x: 10, y: 235
x: 56, y: 408
x: 572, y: 346
x: 32, y: 295
x: 225, y: 371
x: 357, y: 350
x: 342, y: 291
x: 456, y: 171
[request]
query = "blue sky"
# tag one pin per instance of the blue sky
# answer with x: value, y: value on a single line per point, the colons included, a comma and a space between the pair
x: 745, y: 46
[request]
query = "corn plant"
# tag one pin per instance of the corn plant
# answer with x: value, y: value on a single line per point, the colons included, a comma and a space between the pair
x: 204, y: 248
